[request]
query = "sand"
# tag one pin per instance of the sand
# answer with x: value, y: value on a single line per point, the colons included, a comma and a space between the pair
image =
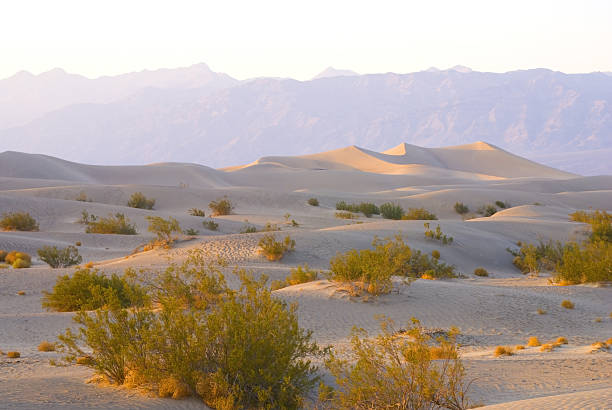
x: 498, y: 310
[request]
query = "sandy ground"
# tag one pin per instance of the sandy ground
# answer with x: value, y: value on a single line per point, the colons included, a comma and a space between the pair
x: 498, y: 310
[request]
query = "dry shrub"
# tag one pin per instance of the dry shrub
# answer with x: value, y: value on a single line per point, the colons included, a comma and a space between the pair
x: 21, y: 263
x: 313, y: 202
x: 3, y: 255
x: 274, y: 250
x: 13, y: 256
x: 568, y: 304
x: 59, y: 258
x: 299, y: 274
x: 541, y: 311
x: 345, y: 215
x: 222, y: 206
x: 46, y: 346
x: 561, y: 340
x: 138, y: 200
x: 548, y: 347
x: 533, y: 342
x: 598, y: 320
x: 113, y: 224
x: 13, y: 355
x: 196, y: 212
x: 172, y: 387
x: 89, y: 265
x: 481, y: 272
x: 503, y: 351
x: 519, y: 347
x: 609, y: 341
x: 21, y: 293
x: 84, y: 360
x: 18, y: 221
x: 427, y: 276
x: 435, y: 254
x: 599, y: 346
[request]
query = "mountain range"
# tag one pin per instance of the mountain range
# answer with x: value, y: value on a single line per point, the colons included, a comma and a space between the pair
x: 196, y: 115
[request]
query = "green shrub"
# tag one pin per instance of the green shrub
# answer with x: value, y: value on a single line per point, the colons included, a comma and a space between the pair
x: 481, y: 272
x: 583, y: 263
x: 60, y: 258
x: 313, y: 202
x: 248, y: 228
x: 406, y: 369
x: 600, y: 221
x: 210, y: 225
x: 222, y: 206
x: 345, y: 215
x: 274, y: 250
x: 367, y: 208
x: 502, y: 205
x: 435, y: 254
x: 163, y: 228
x: 138, y: 200
x: 191, y: 231
x: 437, y: 234
x: 196, y: 212
x: 299, y: 274
x: 270, y: 227
x: 18, y: 221
x: 390, y: 210
x: 233, y: 348
x: 461, y: 208
x: 88, y: 290
x: 487, y: 210
x: 418, y: 214
x: 113, y: 224
x: 531, y: 258
x: 87, y: 218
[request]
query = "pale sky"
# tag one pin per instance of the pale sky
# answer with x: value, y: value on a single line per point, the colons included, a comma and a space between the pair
x: 248, y: 39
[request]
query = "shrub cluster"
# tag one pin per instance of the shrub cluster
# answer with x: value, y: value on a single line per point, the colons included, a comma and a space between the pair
x: 300, y: 274
x: 60, y: 258
x: 345, y: 215
x: 232, y: 348
x: 437, y: 234
x: 461, y: 208
x: 222, y: 206
x: 390, y: 210
x: 531, y: 258
x: 16, y: 259
x: 196, y: 212
x: 274, y: 250
x: 88, y: 290
x: 366, y: 208
x: 248, y: 228
x: 210, y: 225
x: 600, y: 221
x: 398, y: 370
x: 113, y: 224
x: 138, y: 200
x: 313, y: 202
x: 18, y: 221
x: 418, y: 214
x: 191, y: 232
x: 163, y: 228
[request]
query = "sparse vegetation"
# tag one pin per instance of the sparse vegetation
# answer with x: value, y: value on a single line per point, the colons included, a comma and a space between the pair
x: 390, y: 210
x: 547, y: 347
x: 221, y: 206
x: 313, y: 202
x: 519, y: 347
x: 399, y: 370
x: 487, y: 210
x: 113, y: 224
x: 46, y: 346
x: 270, y: 227
x: 18, y: 221
x: 503, y: 351
x: 345, y: 215
x: 502, y: 204
x: 461, y: 208
x: 481, y: 272
x: 163, y: 228
x: 248, y: 228
x: 561, y: 340
x: 418, y: 214
x: 437, y: 234
x: 274, y: 250
x: 138, y: 200
x: 232, y: 348
x: 210, y: 225
x: 82, y: 197
x: 533, y: 342
x: 89, y: 290
x: 299, y: 274
x: 191, y: 232
x: 366, y: 208
x: 435, y: 254
x: 541, y: 311
x: 60, y: 258
x: 196, y: 212
x: 568, y: 304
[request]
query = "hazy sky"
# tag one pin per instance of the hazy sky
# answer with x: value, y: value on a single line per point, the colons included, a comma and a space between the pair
x: 299, y: 39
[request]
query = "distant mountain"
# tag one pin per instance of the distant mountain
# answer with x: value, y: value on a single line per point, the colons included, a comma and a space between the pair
x: 332, y: 72
x: 24, y: 96
x: 534, y: 113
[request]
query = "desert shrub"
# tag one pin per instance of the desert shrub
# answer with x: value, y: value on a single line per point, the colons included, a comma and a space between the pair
x: 233, y: 348
x: 541, y: 311
x: 3, y: 255
x: 248, y: 228
x: 294, y: 223
x: 600, y: 221
x: 78, y: 243
x: 196, y: 212
x: 274, y: 250
x: 18, y: 221
x: 313, y: 202
x: 113, y: 224
x: 481, y: 272
x: 547, y: 347
x: 210, y: 225
x: 4, y: 266
x: 418, y: 214
x: 533, y: 342
x: 299, y: 274
x: 191, y: 231
x: 21, y: 263
x: 368, y: 209
x: 86, y: 218
x: 502, y: 204
x: 519, y: 347
x: 46, y: 346
x: 568, y: 304
x: 487, y: 210
x: 18, y: 260
x: 461, y: 208
x: 343, y: 206
x: 398, y: 370
x: 82, y: 197
x: 88, y: 290
x: 435, y: 254
x: 222, y: 206
x: 530, y: 258
x: 13, y: 355
x: 561, y: 340
x: 270, y: 227
x: 138, y: 200
x: 503, y: 351
x: 587, y: 262
x: 21, y: 293
x: 390, y: 210
x: 345, y: 215
x: 163, y: 228
x: 437, y: 234
x: 60, y: 258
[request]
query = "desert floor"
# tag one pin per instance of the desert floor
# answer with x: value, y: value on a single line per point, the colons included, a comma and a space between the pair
x: 498, y: 310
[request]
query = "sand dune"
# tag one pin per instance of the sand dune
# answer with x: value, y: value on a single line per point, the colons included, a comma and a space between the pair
x: 498, y: 310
